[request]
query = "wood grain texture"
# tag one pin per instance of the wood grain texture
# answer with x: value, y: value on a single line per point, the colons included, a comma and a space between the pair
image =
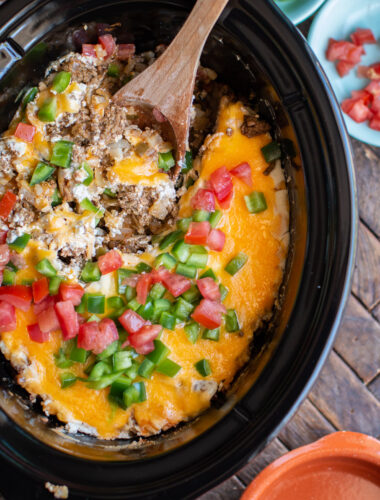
x: 374, y: 387
x: 274, y: 450
x: 358, y: 341
x: 366, y: 280
x: 341, y: 397
x: 367, y: 161
x: 307, y: 425
x: 232, y: 489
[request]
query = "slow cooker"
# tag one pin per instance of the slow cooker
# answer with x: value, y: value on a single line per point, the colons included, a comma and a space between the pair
x: 253, y: 47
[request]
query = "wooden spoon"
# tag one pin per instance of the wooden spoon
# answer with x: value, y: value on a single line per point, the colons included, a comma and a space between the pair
x: 165, y: 89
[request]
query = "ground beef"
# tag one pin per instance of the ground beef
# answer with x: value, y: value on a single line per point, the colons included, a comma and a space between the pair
x: 252, y: 126
x: 82, y: 72
x: 23, y: 214
x: 114, y: 121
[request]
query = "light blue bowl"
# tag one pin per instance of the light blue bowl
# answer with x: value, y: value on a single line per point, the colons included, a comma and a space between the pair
x: 338, y: 19
x: 298, y: 10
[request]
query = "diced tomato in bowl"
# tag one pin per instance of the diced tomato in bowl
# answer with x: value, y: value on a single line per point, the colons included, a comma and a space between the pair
x: 8, y: 321
x: 19, y: 296
x: 344, y: 67
x: 375, y: 122
x: 109, y: 262
x: 72, y: 292
x: 362, y: 36
x: 203, y: 199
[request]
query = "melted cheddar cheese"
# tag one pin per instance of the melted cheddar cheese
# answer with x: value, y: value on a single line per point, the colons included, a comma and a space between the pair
x: 252, y: 292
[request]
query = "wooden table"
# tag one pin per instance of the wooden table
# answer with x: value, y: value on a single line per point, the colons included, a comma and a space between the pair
x: 346, y: 396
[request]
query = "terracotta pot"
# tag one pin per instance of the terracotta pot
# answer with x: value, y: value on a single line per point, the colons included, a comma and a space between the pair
x: 341, y: 466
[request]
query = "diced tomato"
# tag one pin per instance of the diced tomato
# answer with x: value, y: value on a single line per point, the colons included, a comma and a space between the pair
x: 110, y: 262
x: 3, y: 237
x: 373, y: 88
x: 197, y: 233
x: 221, y: 183
x: 226, y: 203
x: 88, y: 50
x: 108, y: 334
x: 344, y: 51
x: 158, y: 275
x: 48, y: 320
x: 108, y: 44
x: 145, y: 349
x: 336, y: 49
x: 359, y: 112
x: 204, y: 199
x: 243, y: 172
x: 8, y: 321
x: 362, y: 35
x: 25, y: 132
x: 88, y: 334
x: 125, y: 51
x: 143, y: 286
x: 19, y: 296
x: 68, y: 319
x: 131, y: 280
x: 40, y: 289
x: 209, y: 313
x: 216, y: 240
x: 375, y: 122
x: 6, y: 204
x: 354, y: 54
x: 209, y: 289
x: 36, y: 335
x: 176, y: 284
x: 44, y: 304
x: 5, y: 255
x: 343, y: 68
x: 371, y: 72
x: 347, y: 104
x: 365, y: 96
x: 145, y: 335
x: 132, y: 321
x: 71, y: 291
x: 375, y: 107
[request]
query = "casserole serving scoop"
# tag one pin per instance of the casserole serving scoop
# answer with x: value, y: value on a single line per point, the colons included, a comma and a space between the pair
x: 162, y: 94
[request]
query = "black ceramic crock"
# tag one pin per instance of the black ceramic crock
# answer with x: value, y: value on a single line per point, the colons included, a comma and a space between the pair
x: 252, y: 44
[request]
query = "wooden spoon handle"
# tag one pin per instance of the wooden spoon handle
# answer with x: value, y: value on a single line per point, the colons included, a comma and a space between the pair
x: 168, y: 83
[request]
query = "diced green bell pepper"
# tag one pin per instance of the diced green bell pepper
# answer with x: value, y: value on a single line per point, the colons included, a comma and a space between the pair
x: 166, y: 161
x: 20, y: 243
x: 62, y: 152
x: 90, y: 272
x: 48, y: 110
x: 203, y: 367
x: 41, y: 173
x: 61, y: 81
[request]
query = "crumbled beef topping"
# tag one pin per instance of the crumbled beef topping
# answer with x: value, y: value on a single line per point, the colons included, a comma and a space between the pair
x: 252, y: 126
